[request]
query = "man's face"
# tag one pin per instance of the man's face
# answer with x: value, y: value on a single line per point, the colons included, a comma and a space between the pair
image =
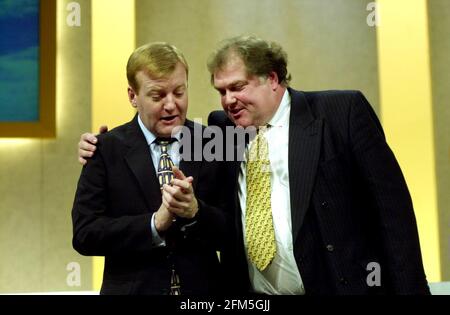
x: 161, y: 103
x: 247, y: 100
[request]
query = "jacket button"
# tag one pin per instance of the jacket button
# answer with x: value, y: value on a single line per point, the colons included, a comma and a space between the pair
x: 342, y: 280
x: 325, y: 205
x: 330, y: 248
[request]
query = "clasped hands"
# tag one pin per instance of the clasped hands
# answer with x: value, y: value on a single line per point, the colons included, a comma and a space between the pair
x: 178, y: 200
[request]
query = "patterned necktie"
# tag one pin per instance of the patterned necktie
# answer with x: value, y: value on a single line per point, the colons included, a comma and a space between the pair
x: 165, y: 175
x: 175, y: 288
x: 259, y: 232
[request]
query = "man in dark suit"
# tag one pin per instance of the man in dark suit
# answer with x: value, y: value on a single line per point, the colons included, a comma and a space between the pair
x: 157, y: 237
x: 342, y: 215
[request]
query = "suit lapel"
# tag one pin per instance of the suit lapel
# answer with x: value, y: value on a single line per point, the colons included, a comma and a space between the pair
x: 236, y: 168
x: 140, y: 162
x: 192, y: 168
x: 305, y: 133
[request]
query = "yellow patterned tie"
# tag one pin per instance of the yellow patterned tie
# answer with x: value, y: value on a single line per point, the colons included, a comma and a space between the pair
x: 259, y: 232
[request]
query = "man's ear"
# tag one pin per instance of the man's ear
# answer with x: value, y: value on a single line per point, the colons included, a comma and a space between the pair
x: 132, y: 96
x: 273, y: 80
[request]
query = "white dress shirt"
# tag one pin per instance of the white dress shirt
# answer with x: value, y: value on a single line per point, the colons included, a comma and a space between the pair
x: 282, y: 275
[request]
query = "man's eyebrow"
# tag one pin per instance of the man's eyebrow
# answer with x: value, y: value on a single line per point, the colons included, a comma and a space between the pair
x: 231, y: 85
x: 239, y: 82
x: 155, y: 89
x: 183, y: 85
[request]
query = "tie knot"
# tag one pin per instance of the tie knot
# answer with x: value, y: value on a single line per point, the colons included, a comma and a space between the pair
x: 263, y: 129
x: 164, y: 143
x: 259, y: 149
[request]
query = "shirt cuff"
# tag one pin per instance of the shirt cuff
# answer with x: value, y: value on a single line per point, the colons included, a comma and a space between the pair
x: 157, y: 240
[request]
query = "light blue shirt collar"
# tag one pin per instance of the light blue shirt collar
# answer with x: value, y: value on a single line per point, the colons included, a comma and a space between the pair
x: 149, y: 136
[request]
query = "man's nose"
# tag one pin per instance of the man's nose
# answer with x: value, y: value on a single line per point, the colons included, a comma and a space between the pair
x: 170, y: 104
x: 230, y: 98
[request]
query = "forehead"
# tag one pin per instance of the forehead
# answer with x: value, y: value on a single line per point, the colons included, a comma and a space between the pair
x: 173, y: 80
x: 233, y: 70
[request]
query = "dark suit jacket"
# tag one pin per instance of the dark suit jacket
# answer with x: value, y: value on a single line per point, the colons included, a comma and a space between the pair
x: 349, y: 201
x: 117, y: 194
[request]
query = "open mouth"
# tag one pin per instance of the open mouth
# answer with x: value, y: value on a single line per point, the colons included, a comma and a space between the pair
x: 235, y: 112
x: 169, y: 119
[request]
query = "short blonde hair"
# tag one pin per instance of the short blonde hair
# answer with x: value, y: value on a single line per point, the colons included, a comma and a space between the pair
x: 157, y: 59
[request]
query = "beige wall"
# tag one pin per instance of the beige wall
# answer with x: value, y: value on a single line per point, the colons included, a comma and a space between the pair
x: 38, y: 178
x: 330, y: 47
x: 439, y: 13
x: 329, y: 43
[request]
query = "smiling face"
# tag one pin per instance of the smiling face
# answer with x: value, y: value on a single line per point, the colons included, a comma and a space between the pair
x: 161, y: 103
x: 247, y: 99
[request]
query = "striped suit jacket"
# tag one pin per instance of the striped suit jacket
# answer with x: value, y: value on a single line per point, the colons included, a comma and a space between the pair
x: 350, y: 206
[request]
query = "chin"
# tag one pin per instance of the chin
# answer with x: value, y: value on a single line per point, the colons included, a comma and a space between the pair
x: 242, y: 123
x: 166, y: 131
